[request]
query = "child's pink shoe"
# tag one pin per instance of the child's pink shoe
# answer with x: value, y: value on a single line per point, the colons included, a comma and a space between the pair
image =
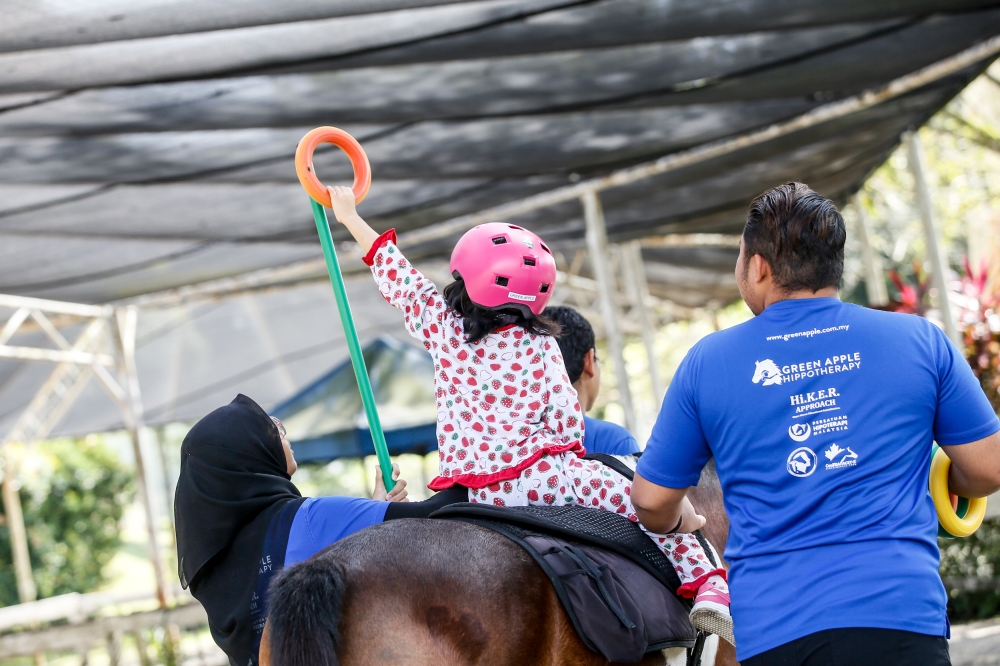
x: 711, y: 610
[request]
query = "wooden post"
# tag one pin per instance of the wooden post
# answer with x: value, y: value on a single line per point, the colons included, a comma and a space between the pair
x: 168, y: 488
x: 597, y: 247
x: 635, y: 277
x: 142, y: 646
x: 26, y: 590
x: 132, y: 412
x: 114, y: 648
x: 874, y: 276
x: 935, y: 253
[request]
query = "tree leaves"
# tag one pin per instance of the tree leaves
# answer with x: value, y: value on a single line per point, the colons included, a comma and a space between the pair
x: 73, y: 501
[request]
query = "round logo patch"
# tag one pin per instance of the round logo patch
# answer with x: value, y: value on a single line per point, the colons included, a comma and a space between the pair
x: 801, y: 462
x: 800, y: 431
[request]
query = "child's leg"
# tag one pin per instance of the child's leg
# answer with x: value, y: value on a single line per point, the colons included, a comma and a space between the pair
x: 690, y: 561
x: 601, y: 487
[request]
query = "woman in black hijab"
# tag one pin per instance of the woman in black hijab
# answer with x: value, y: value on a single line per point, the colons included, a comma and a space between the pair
x: 234, y: 509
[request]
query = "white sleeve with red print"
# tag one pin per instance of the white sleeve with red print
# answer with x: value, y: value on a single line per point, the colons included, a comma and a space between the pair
x: 564, y: 414
x: 409, y: 291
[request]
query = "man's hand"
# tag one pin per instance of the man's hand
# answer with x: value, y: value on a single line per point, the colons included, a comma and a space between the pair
x: 660, y: 509
x: 398, y: 493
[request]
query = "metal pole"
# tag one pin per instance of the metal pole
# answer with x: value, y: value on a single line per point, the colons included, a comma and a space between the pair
x: 133, y: 416
x: 635, y: 277
x: 874, y: 277
x: 597, y: 246
x: 939, y: 264
x: 353, y: 344
x: 26, y: 590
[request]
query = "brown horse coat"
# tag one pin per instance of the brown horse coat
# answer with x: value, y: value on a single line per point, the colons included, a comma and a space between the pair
x: 435, y: 593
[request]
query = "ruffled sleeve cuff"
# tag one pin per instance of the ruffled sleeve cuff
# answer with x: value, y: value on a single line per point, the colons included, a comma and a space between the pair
x: 387, y: 237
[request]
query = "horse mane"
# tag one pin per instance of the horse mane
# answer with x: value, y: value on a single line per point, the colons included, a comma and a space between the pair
x: 305, y: 605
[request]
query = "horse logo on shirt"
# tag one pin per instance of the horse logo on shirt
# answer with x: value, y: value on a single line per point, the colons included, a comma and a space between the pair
x: 766, y: 371
x: 801, y: 462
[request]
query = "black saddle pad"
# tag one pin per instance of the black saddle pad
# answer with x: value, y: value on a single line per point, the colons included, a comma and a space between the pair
x: 598, y: 528
x: 616, y: 586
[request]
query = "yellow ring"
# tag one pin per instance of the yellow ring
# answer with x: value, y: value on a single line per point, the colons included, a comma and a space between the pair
x: 949, y: 520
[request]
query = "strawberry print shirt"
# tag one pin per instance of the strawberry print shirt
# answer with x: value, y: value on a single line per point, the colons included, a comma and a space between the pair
x: 502, y: 402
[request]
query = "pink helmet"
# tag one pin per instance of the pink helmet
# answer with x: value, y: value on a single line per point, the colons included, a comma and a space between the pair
x: 504, y: 265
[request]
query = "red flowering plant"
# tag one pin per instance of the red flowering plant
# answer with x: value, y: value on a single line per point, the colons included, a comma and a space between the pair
x: 978, y: 318
x: 912, y: 298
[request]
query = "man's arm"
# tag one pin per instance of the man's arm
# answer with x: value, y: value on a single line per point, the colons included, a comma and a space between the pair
x: 660, y: 509
x: 975, y: 467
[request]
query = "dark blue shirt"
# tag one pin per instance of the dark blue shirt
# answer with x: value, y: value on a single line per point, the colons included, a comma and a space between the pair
x: 820, y: 416
x: 606, y: 437
x: 310, y: 525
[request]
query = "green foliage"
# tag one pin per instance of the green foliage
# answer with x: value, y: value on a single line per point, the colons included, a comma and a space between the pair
x: 978, y: 557
x: 962, y: 152
x: 73, y: 497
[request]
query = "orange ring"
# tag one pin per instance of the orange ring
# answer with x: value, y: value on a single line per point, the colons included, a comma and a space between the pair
x: 347, y: 143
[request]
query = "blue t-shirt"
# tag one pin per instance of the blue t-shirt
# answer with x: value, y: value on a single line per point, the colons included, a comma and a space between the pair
x: 321, y: 521
x: 820, y: 416
x: 606, y: 437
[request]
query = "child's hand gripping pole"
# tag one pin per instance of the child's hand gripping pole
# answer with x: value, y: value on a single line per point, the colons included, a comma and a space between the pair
x: 321, y: 197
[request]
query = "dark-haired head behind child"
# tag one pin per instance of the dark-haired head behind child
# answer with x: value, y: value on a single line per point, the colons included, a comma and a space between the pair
x: 576, y: 342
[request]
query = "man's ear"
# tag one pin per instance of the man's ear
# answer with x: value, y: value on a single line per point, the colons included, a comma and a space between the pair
x: 588, y: 363
x: 761, y: 268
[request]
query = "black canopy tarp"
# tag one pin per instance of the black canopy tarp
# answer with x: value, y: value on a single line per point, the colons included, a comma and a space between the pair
x: 146, y: 147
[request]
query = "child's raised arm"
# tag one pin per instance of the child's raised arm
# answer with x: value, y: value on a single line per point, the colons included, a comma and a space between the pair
x: 345, y: 212
x: 402, y: 285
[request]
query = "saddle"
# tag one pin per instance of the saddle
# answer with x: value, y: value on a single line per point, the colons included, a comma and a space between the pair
x: 617, y: 587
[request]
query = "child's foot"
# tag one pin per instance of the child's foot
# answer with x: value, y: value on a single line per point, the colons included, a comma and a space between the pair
x: 711, y: 610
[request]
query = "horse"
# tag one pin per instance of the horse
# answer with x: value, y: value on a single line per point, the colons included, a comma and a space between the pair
x: 437, y: 592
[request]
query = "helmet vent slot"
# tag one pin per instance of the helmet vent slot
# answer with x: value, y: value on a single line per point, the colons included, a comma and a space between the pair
x: 544, y: 289
x: 529, y: 261
x: 514, y: 226
x: 499, y: 240
x: 546, y: 248
x: 502, y: 281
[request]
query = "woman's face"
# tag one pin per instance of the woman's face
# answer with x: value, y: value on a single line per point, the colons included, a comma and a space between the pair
x: 287, y: 446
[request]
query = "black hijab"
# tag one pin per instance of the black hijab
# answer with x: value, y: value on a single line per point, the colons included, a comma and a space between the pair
x: 233, y: 482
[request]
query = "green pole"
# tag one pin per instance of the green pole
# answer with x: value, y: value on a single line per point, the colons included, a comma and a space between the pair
x: 353, y: 345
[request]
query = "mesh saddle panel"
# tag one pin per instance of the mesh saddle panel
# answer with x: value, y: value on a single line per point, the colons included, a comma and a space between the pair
x: 590, y: 526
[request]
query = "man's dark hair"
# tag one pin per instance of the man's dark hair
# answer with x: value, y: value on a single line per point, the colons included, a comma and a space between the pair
x: 478, y: 322
x: 575, y: 340
x: 800, y: 233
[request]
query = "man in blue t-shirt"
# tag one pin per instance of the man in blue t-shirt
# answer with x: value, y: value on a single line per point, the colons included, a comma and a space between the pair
x: 576, y: 343
x: 820, y: 416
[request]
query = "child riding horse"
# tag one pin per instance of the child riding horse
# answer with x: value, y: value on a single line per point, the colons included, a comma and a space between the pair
x: 510, y: 428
